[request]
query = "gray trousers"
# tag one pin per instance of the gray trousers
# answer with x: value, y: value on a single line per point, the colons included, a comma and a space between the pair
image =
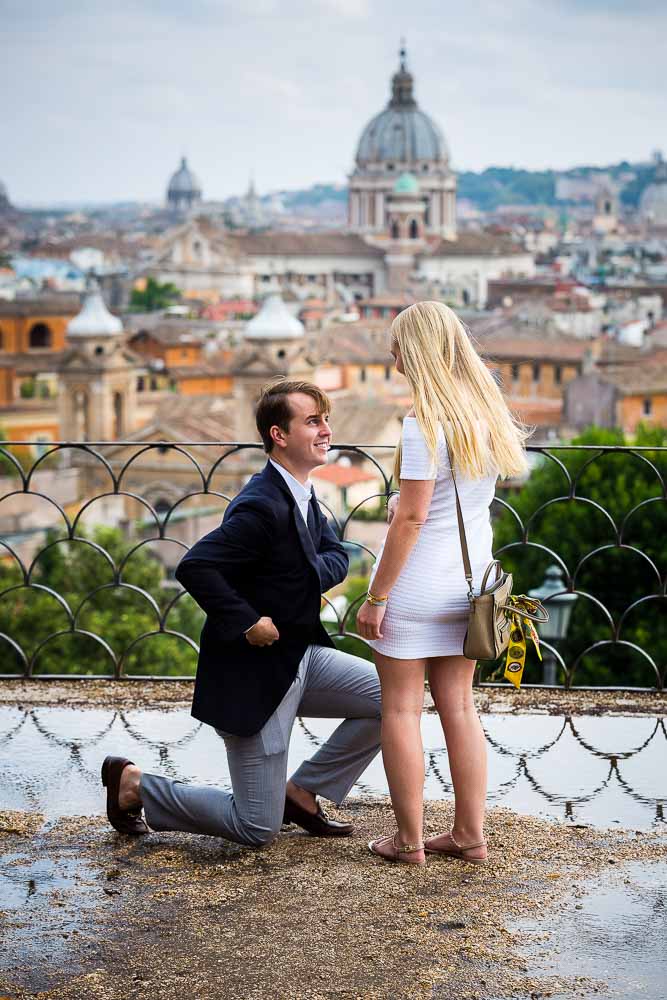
x: 329, y: 684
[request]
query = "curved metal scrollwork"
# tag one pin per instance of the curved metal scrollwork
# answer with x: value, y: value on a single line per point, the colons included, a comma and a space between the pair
x: 46, y: 504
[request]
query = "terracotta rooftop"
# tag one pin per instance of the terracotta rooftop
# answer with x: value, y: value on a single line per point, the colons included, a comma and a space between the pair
x: 388, y: 299
x: 354, y: 344
x: 306, y: 244
x: 167, y: 335
x: 42, y: 305
x: 360, y: 420
x: 502, y: 338
x: 540, y: 412
x: 475, y: 244
x: 638, y: 380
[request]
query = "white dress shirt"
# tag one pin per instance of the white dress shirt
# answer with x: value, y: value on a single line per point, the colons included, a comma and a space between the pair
x: 301, y: 493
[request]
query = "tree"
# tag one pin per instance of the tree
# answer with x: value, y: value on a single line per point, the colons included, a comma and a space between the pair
x: 118, y: 615
x: 571, y: 523
x: 154, y: 296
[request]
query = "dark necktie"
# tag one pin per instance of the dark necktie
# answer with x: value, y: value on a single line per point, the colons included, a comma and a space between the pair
x: 310, y: 520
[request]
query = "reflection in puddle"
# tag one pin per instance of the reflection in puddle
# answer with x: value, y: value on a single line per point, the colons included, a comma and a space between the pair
x: 617, y: 934
x: 584, y: 769
x: 45, y: 905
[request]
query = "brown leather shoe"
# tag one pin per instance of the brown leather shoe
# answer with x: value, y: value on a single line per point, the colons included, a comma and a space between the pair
x: 317, y: 824
x: 123, y: 820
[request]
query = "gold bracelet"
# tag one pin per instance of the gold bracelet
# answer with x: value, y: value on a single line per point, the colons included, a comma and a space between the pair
x: 376, y: 601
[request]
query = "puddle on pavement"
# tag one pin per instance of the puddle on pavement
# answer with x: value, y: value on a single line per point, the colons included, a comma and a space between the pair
x: 45, y: 905
x: 587, y: 769
x: 617, y: 934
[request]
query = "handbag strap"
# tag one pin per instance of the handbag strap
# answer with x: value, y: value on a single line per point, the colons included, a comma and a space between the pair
x: 462, y: 531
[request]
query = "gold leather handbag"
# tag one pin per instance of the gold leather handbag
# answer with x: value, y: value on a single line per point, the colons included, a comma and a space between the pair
x: 494, y: 609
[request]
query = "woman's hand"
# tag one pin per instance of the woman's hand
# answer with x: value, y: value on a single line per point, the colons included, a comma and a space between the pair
x: 392, y: 507
x: 369, y: 620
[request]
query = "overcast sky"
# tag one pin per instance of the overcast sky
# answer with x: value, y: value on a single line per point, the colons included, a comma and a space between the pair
x: 100, y: 100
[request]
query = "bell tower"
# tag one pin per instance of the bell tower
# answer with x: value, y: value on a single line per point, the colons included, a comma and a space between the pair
x: 97, y: 393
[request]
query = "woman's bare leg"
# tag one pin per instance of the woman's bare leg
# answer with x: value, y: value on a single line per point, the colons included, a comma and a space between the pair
x: 402, y: 683
x: 450, y: 680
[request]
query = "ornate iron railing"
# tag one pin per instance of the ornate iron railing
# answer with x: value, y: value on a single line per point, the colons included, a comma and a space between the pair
x: 57, y: 605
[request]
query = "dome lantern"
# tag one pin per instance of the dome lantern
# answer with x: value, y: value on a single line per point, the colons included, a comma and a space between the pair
x: 94, y: 320
x: 274, y: 321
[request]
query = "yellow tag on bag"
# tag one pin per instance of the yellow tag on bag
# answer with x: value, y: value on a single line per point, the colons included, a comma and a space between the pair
x: 516, y: 651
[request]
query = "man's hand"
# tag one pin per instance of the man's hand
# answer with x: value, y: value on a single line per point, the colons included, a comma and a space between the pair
x: 392, y: 507
x: 263, y: 633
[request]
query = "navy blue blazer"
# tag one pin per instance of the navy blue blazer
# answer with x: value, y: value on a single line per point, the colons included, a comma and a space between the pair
x: 262, y: 560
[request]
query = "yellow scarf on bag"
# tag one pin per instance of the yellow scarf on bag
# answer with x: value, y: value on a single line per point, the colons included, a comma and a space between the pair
x: 516, y: 651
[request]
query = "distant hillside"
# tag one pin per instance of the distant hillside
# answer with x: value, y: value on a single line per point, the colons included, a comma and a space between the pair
x: 496, y: 186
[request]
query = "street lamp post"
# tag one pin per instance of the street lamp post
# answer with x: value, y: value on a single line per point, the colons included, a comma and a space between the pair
x: 559, y: 605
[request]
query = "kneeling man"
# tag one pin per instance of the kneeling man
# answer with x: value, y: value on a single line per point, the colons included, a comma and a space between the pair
x: 265, y: 656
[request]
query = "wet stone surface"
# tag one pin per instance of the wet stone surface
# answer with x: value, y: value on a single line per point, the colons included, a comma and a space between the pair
x: 172, y: 915
x: 572, y: 908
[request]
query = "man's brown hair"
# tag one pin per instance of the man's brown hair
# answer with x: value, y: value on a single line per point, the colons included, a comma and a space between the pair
x: 273, y: 408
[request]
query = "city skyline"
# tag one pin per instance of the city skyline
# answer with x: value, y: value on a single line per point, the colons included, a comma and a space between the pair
x: 283, y: 92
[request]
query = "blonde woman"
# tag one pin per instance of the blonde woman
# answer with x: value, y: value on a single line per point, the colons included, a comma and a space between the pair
x: 415, y: 615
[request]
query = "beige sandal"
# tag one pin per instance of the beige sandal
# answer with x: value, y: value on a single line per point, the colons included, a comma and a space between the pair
x: 395, y: 857
x: 458, y: 851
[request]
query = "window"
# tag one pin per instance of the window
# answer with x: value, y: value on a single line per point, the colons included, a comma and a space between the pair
x: 515, y: 373
x: 162, y: 508
x: 362, y: 375
x: 387, y: 373
x: 40, y: 446
x: 2, y: 341
x: 647, y: 408
x: 141, y: 384
x: 390, y: 166
x: 394, y: 230
x: 536, y: 373
x: 153, y: 383
x: 414, y: 230
x: 99, y: 349
x: 558, y: 374
x: 40, y: 336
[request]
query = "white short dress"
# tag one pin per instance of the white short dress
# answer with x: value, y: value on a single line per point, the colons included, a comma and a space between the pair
x: 427, y: 611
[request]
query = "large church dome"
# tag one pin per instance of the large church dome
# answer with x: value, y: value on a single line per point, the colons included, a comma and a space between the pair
x: 402, y: 133
x: 184, y: 190
x: 405, y: 143
x: 653, y: 203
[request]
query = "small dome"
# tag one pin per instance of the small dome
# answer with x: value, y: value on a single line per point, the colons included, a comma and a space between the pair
x: 274, y: 321
x: 401, y: 133
x: 184, y: 182
x: 94, y: 320
x: 653, y: 202
x: 406, y: 184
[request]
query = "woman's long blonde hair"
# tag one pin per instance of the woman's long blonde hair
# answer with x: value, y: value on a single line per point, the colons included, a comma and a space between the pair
x: 452, y: 388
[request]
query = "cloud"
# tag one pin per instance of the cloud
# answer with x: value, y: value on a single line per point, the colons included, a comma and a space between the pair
x: 105, y: 98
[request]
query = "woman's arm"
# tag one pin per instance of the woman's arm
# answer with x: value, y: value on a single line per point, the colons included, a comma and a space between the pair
x: 407, y: 522
x: 403, y: 532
